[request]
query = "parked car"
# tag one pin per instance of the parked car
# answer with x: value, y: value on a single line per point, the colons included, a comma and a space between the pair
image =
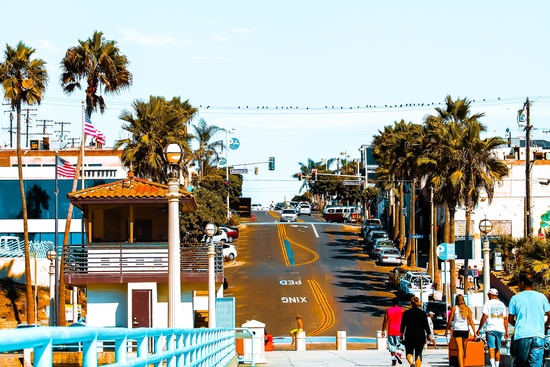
x: 288, y: 215
x: 389, y: 255
x: 417, y: 284
x: 327, y: 207
x: 256, y: 207
x: 231, y: 233
x: 229, y: 251
x: 371, y: 238
x: 220, y: 237
x: 279, y: 206
x: 381, y: 245
x: 304, y: 209
x: 439, y: 309
x: 369, y: 229
x: 397, y: 273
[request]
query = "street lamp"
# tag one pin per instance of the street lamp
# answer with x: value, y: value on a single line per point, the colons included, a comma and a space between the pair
x: 173, y: 155
x: 210, y: 232
x: 52, y: 255
x: 230, y: 131
x: 485, y: 226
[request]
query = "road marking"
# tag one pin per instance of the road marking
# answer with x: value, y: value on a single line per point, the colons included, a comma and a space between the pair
x: 314, y: 230
x: 288, y: 253
x: 328, y: 314
x: 290, y: 282
x: 294, y: 299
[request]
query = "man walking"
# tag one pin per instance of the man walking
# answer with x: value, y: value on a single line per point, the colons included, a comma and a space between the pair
x: 431, y: 337
x: 526, y: 313
x: 392, y: 324
x: 495, y: 315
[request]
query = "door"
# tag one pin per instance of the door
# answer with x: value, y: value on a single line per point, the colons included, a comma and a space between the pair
x: 142, y: 308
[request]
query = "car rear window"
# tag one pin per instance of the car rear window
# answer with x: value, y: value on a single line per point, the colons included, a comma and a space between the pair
x: 288, y: 211
x: 391, y: 251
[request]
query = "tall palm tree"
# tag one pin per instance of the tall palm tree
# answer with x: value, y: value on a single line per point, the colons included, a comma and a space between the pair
x: 152, y: 125
x: 24, y: 81
x: 104, y: 68
x: 203, y: 133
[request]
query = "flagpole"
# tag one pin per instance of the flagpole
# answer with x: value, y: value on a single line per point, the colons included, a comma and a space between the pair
x: 82, y: 221
x: 56, y: 242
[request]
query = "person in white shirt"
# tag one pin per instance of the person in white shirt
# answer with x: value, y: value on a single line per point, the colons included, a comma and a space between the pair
x: 495, y: 315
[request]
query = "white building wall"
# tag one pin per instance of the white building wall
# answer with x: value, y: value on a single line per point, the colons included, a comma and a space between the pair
x: 107, y: 305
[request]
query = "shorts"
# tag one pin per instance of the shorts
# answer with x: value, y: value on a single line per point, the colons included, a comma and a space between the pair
x: 393, y: 343
x: 415, y: 348
x: 493, y: 339
x: 464, y: 334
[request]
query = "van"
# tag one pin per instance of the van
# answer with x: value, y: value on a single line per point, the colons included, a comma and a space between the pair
x: 342, y: 214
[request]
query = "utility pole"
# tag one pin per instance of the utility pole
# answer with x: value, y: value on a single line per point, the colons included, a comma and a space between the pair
x: 61, y: 133
x: 528, y: 228
x: 10, y: 130
x: 44, y: 125
x: 28, y: 121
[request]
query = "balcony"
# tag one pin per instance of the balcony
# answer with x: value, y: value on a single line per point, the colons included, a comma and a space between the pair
x: 94, y: 263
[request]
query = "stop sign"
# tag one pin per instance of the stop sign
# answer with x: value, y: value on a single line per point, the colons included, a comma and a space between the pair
x: 541, y: 236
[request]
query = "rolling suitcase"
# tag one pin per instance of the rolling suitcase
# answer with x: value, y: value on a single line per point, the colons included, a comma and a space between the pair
x: 474, y: 354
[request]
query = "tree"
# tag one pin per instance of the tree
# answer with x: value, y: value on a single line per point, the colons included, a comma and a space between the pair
x: 152, y: 125
x: 24, y: 81
x: 104, y: 68
x: 203, y: 133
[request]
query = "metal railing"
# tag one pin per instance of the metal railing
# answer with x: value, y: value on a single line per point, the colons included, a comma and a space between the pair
x: 131, y: 347
x: 117, y: 258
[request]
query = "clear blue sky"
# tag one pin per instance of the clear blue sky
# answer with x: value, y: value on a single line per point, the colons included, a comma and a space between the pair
x: 306, y: 54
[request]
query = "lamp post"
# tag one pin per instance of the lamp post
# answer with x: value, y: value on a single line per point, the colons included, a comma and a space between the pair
x: 173, y: 155
x: 485, y: 226
x: 227, y: 132
x: 52, y: 256
x: 210, y: 232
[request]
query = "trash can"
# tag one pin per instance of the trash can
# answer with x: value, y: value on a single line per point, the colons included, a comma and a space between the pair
x: 258, y: 330
x: 497, y: 261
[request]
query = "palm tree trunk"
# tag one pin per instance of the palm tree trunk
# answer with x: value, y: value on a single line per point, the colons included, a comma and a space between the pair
x: 401, y: 215
x: 412, y: 223
x: 434, y: 262
x: 28, y: 278
x: 61, y: 320
x: 467, y: 248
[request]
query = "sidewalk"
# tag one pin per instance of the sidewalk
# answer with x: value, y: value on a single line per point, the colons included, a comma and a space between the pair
x: 348, y: 358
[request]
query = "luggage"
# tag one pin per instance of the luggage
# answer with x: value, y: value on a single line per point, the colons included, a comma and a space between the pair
x: 474, y: 355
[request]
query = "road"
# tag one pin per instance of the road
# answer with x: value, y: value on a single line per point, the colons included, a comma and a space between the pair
x: 311, y: 268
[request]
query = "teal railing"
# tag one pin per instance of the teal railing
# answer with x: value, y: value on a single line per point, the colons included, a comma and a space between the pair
x: 132, y: 347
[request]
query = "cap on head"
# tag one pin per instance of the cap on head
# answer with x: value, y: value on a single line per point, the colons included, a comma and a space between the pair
x: 431, y: 313
x: 493, y: 292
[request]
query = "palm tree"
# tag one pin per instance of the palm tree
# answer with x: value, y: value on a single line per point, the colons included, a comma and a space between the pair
x: 203, y: 133
x: 24, y: 80
x: 152, y: 126
x: 104, y: 68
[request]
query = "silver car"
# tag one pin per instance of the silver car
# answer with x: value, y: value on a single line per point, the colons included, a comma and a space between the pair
x: 304, y: 209
x: 288, y: 215
x: 389, y: 255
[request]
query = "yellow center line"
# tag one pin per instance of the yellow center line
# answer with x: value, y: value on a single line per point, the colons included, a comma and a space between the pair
x: 328, y: 314
x: 281, y: 234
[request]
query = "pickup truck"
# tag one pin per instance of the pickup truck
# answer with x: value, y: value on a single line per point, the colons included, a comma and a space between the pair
x: 410, y: 284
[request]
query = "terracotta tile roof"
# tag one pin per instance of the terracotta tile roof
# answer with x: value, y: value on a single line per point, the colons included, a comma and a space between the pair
x: 129, y: 190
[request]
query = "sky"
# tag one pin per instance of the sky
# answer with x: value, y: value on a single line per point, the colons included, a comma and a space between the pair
x: 299, y: 79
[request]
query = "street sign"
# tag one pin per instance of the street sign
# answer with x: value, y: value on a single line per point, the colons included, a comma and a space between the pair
x: 234, y: 143
x: 446, y: 251
x: 239, y: 171
x: 352, y: 182
x: 417, y: 236
x: 223, y: 162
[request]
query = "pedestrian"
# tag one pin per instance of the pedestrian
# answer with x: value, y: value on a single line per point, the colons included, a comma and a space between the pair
x: 414, y: 329
x: 470, y: 274
x: 526, y: 312
x: 460, y: 320
x: 431, y: 337
x: 495, y: 316
x: 476, y: 278
x: 300, y: 327
x: 392, y: 325
x: 461, y: 277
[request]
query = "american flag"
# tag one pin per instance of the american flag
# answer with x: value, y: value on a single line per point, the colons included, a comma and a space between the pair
x: 90, y: 130
x: 65, y: 168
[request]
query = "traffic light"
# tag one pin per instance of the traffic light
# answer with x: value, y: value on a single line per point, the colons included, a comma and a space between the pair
x: 272, y: 163
x: 256, y: 170
x: 314, y: 174
x: 299, y: 177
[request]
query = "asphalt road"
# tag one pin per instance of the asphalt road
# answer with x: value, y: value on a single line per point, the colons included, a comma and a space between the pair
x: 311, y: 268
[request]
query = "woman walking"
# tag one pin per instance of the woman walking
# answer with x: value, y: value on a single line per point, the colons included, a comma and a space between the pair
x: 460, y: 320
x: 414, y: 330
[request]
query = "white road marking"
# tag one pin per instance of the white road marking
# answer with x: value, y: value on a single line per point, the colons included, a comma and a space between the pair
x: 314, y: 231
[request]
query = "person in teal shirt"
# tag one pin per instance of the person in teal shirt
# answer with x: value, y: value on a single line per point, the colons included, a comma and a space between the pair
x: 526, y: 313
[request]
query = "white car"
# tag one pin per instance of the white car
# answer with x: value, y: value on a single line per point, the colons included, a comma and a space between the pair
x: 288, y: 215
x: 256, y: 207
x: 304, y: 209
x: 417, y: 284
x: 229, y: 251
x: 221, y: 237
